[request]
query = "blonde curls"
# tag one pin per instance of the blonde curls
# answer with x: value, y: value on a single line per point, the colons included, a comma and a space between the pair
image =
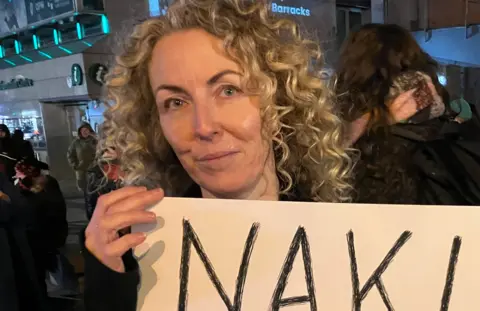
x: 297, y: 109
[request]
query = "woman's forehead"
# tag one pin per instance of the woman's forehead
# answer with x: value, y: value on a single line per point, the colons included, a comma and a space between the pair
x: 188, y: 55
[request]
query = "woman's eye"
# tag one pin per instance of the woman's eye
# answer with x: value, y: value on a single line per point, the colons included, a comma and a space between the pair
x: 229, y: 91
x: 174, y: 103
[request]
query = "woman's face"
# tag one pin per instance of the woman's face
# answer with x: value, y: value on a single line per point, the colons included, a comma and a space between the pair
x: 213, y: 126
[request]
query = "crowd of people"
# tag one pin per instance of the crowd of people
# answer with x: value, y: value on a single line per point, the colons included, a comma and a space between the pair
x: 33, y: 224
x: 221, y: 99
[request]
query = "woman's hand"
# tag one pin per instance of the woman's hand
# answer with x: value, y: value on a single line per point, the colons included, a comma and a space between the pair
x: 406, y: 106
x: 115, y: 211
x: 403, y: 107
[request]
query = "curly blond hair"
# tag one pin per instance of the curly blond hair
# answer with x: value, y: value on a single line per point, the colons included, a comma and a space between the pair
x: 297, y: 114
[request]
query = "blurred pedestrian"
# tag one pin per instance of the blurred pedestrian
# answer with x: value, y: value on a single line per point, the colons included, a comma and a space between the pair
x: 81, y: 155
x: 102, y: 179
x: 49, y: 228
x: 8, y: 154
x: 24, y: 148
x: 20, y: 287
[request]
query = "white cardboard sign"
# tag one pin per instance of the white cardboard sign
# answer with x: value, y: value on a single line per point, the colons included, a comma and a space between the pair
x: 227, y: 255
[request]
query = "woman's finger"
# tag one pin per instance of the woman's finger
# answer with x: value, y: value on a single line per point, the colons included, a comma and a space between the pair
x: 105, y: 201
x: 118, y: 221
x: 404, y: 106
x: 120, y: 246
x: 141, y: 200
x: 408, y: 110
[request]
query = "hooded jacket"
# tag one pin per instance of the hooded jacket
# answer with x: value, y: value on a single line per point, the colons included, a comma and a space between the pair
x: 81, y: 154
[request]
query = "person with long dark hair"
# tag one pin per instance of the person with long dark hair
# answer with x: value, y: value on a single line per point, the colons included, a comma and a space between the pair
x: 397, y: 112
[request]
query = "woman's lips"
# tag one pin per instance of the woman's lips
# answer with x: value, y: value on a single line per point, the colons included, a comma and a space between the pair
x: 216, y: 156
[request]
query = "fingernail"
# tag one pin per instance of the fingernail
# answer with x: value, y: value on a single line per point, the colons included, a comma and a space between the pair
x: 140, y: 235
x: 152, y: 215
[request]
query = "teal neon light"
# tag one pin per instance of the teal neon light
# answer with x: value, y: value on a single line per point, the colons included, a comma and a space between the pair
x: 18, y: 47
x: 87, y: 44
x: 56, y: 37
x: 105, y: 24
x: 26, y: 58
x: 79, y: 31
x: 10, y: 62
x: 45, y: 54
x: 2, y: 52
x: 65, y: 50
x: 35, y: 42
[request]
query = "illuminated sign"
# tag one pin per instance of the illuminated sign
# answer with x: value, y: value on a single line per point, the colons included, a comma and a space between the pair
x: 97, y: 73
x: 77, y: 75
x: 290, y: 10
x: 16, y: 83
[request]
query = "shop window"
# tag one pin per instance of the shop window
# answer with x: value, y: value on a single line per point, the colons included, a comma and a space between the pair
x: 27, y: 117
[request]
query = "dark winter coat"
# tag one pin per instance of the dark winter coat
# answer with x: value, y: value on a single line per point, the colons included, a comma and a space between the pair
x: 20, y: 289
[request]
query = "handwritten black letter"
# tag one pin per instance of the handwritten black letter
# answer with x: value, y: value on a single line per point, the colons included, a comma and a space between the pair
x: 189, y: 238
x: 375, y: 278
x: 277, y: 300
x: 447, y: 291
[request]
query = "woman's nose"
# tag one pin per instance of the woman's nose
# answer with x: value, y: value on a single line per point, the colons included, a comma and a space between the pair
x: 207, y: 126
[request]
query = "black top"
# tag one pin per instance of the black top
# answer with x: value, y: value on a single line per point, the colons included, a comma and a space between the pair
x: 107, y: 290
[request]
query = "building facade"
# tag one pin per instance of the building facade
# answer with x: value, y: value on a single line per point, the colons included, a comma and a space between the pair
x: 52, y: 66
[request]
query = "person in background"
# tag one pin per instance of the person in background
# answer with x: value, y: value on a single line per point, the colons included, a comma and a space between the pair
x: 49, y: 228
x: 8, y: 154
x: 219, y: 100
x: 389, y: 95
x: 81, y: 154
x: 103, y: 178
x: 20, y: 289
x: 23, y: 147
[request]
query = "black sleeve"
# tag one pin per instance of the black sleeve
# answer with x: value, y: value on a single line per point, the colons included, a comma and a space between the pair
x: 107, y: 290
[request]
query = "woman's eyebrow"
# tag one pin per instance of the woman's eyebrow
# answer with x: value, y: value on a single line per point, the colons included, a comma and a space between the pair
x: 220, y: 74
x: 211, y: 81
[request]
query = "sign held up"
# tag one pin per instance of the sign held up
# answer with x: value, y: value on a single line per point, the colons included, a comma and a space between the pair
x: 257, y: 255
